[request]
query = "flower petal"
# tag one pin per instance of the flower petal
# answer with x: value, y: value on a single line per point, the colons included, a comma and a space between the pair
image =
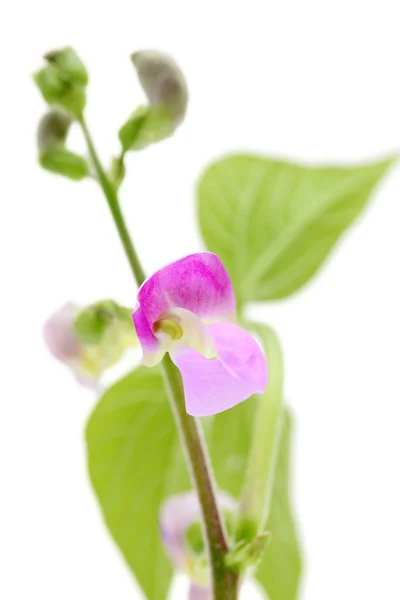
x: 198, y: 283
x: 199, y: 593
x: 212, y: 386
x: 59, y: 334
x: 177, y: 515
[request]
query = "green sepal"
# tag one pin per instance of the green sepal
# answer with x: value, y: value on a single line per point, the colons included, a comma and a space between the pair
x: 146, y: 126
x: 64, y: 162
x: 248, y: 554
x: 93, y: 322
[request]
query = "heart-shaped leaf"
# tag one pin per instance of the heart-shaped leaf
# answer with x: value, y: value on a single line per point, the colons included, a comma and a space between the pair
x: 135, y: 462
x: 273, y: 223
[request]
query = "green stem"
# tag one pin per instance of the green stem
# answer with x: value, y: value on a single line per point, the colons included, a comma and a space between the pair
x: 113, y: 204
x: 225, y: 581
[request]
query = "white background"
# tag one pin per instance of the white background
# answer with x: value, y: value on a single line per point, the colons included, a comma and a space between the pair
x: 315, y: 80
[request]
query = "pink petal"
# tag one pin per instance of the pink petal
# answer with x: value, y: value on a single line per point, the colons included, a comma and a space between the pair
x: 198, y: 283
x: 177, y: 515
x: 199, y: 593
x: 59, y: 335
x: 212, y: 386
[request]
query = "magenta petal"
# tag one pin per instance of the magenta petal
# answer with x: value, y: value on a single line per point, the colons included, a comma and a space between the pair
x: 199, y: 593
x: 198, y: 283
x: 212, y: 386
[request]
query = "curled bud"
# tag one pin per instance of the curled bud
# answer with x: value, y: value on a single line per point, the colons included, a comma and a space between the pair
x: 89, y: 341
x: 167, y: 93
x: 53, y: 130
x: 63, y: 80
x: 163, y: 82
x: 69, y: 64
x: 53, y: 156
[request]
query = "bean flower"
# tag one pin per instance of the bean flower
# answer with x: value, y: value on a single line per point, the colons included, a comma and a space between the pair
x: 177, y: 514
x: 87, y: 361
x: 188, y: 309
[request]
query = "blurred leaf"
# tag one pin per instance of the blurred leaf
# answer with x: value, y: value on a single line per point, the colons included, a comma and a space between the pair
x: 135, y: 462
x: 273, y: 223
x: 147, y: 125
x: 280, y: 570
x: 117, y: 171
x: 64, y: 162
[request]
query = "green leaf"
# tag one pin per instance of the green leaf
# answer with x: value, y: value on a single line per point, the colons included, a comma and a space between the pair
x: 117, y: 171
x: 273, y: 223
x: 281, y: 566
x: 135, y: 462
x: 147, y: 125
x: 62, y: 161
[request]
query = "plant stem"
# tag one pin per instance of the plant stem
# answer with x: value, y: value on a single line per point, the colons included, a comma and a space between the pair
x: 113, y: 204
x: 225, y: 581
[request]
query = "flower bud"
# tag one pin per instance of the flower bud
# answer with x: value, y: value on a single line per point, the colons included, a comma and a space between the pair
x: 69, y: 64
x: 89, y: 341
x: 167, y: 93
x: 63, y: 80
x: 53, y: 130
x: 180, y: 515
x: 162, y: 81
x: 53, y: 156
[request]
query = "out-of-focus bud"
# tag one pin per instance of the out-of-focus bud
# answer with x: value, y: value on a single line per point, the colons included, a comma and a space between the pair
x: 181, y: 533
x: 53, y: 156
x: 53, y: 130
x: 69, y: 63
x: 63, y: 80
x: 199, y: 593
x: 90, y: 341
x: 163, y: 82
x: 167, y: 93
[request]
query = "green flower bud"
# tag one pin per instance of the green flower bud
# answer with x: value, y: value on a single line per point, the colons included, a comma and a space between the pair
x: 162, y: 81
x: 167, y: 93
x: 68, y: 62
x: 53, y: 156
x: 53, y: 130
x: 63, y: 80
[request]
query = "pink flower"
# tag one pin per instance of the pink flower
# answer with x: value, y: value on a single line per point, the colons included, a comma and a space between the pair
x: 187, y: 309
x: 176, y: 516
x: 87, y: 361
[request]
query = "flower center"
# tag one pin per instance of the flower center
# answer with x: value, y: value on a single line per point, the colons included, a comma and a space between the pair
x: 168, y: 327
